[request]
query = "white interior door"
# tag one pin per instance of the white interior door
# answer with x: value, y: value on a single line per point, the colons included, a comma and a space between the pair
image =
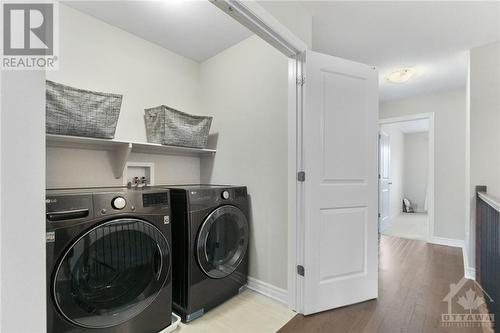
x: 340, y: 144
x: 384, y: 179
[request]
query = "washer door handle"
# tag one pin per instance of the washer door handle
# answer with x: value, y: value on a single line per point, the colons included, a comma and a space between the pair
x: 67, y: 215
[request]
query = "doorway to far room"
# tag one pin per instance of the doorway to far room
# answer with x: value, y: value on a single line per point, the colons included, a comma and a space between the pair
x: 404, y: 179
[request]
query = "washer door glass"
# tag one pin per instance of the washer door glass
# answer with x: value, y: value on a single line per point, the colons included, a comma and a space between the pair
x: 222, y: 241
x: 111, y: 273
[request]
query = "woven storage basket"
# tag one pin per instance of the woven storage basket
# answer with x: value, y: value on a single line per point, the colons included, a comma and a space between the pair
x: 171, y: 127
x: 72, y: 111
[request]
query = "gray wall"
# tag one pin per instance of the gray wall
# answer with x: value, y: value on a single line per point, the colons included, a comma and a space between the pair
x: 484, y: 113
x: 449, y: 154
x: 245, y: 89
x: 485, y: 117
x: 293, y: 16
x: 104, y: 58
x: 67, y: 168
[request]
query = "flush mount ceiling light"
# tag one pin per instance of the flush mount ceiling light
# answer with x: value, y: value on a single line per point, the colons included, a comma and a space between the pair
x: 401, y: 75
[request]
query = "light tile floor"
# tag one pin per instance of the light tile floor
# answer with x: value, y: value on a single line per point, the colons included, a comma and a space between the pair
x: 412, y: 226
x: 248, y: 312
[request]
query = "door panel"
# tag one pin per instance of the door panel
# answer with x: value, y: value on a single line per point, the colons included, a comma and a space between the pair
x: 336, y: 223
x: 339, y: 128
x: 340, y: 194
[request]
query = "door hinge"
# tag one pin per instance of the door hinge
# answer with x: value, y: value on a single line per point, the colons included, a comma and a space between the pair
x: 379, y: 215
x: 301, y: 80
x: 301, y: 176
x: 301, y: 270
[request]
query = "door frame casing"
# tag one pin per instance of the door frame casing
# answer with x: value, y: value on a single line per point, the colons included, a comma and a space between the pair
x: 431, y: 162
x: 253, y: 16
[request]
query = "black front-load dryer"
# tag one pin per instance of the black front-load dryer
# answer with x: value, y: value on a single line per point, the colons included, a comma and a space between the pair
x: 108, y: 260
x: 210, y: 234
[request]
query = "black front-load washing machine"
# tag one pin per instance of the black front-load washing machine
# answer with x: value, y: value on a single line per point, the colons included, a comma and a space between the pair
x: 108, y: 260
x: 210, y: 239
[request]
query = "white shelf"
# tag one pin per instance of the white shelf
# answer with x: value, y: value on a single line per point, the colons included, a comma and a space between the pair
x: 122, y: 149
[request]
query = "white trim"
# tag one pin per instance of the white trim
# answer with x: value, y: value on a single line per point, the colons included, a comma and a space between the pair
x: 253, y: 16
x: 296, y: 222
x: 447, y: 242
x: 268, y: 290
x: 292, y: 183
x: 491, y: 200
x: 1, y: 178
x: 1, y: 113
x: 383, y: 225
x: 418, y: 116
x: 176, y: 320
x: 469, y: 248
x: 469, y: 272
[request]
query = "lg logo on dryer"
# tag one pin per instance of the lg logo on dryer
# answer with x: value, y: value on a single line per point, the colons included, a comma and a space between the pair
x: 166, y: 219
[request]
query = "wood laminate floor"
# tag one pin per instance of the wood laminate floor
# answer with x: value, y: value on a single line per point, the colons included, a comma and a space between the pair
x: 414, y: 278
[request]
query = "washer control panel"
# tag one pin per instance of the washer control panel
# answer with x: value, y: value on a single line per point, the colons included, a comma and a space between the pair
x: 155, y: 199
x: 119, y: 203
x: 145, y: 201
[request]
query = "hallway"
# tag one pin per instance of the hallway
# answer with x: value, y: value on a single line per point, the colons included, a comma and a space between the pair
x: 405, y: 225
x: 414, y: 277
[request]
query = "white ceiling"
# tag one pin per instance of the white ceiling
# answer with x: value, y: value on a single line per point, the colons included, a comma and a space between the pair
x: 411, y: 126
x: 195, y: 29
x: 432, y: 36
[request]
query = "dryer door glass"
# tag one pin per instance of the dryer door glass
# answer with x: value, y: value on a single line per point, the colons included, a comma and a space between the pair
x: 112, y: 273
x: 222, y: 241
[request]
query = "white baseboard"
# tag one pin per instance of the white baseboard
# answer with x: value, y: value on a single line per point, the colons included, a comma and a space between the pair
x: 447, y: 242
x: 469, y: 272
x: 266, y: 289
x: 384, y: 225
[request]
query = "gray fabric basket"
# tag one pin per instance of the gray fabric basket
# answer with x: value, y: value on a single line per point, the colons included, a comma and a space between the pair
x: 78, y: 112
x: 168, y: 126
